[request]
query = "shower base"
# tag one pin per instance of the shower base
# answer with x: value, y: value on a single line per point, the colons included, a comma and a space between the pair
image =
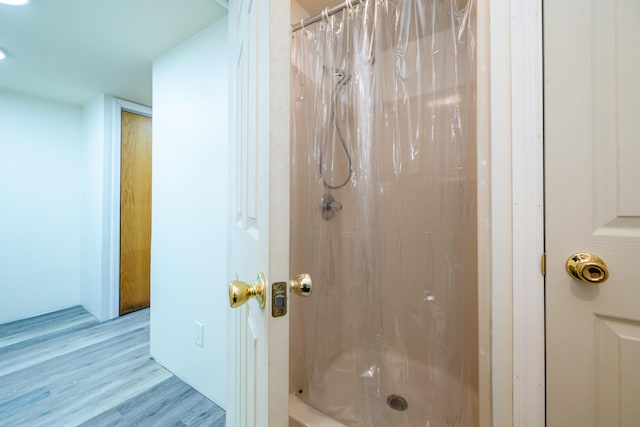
x: 428, y: 393
x: 303, y: 415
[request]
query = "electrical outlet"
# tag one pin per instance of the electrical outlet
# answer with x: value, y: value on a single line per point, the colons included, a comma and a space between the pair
x: 198, y: 329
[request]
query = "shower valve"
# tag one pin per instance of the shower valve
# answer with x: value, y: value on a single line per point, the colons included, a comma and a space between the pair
x: 329, y: 206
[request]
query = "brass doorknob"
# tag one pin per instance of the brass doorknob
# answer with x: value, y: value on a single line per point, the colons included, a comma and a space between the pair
x: 587, y: 268
x: 240, y: 292
x: 301, y: 285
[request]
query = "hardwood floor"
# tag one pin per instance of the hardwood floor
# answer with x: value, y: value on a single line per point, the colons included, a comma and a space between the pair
x: 67, y: 369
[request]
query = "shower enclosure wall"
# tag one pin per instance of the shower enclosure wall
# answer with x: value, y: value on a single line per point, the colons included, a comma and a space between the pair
x: 384, y: 214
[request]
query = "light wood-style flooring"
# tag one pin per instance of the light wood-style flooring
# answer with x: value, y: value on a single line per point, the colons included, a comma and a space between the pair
x: 67, y: 369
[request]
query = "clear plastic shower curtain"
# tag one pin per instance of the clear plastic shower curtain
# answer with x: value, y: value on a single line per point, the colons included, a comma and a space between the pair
x: 384, y: 213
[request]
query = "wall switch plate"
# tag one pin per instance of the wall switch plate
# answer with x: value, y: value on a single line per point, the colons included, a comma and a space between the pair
x: 198, y: 329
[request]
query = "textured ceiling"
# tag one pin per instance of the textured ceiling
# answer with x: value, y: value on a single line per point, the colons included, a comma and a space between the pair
x: 74, y: 50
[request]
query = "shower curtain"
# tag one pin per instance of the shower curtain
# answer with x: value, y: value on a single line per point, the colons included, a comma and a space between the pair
x: 384, y: 213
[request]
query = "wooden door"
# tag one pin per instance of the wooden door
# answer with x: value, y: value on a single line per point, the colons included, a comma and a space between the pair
x: 135, y: 212
x: 259, y: 226
x: 592, y: 159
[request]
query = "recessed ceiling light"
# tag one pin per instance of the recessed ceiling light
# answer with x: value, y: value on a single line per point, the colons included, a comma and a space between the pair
x: 2, y: 55
x: 14, y: 2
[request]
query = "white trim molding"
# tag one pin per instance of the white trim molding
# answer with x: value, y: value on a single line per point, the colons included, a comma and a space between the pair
x: 517, y: 213
x: 501, y: 214
x: 112, y: 203
x: 485, y: 279
x: 528, y: 213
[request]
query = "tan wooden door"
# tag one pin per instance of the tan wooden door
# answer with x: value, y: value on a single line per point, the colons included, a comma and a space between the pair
x: 592, y: 162
x: 258, y: 350
x: 135, y: 212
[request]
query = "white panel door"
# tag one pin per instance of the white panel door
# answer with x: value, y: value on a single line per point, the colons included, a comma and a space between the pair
x: 592, y: 162
x: 259, y: 224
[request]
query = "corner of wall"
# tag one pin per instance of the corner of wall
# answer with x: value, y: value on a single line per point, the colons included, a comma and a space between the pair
x: 188, y: 248
x: 97, y: 187
x: 92, y: 142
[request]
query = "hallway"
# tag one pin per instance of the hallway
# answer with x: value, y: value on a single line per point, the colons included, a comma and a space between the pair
x: 67, y: 369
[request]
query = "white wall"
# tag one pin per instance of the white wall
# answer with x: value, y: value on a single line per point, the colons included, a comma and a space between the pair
x: 188, y: 243
x: 40, y: 205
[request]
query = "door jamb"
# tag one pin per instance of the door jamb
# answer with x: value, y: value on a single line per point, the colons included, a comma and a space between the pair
x: 517, y: 213
x: 112, y: 219
x: 528, y: 213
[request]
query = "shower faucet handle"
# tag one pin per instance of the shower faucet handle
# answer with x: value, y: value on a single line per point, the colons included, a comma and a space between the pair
x: 301, y: 285
x: 329, y: 206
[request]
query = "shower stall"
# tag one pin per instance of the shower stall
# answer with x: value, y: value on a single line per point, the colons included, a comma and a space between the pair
x: 384, y: 214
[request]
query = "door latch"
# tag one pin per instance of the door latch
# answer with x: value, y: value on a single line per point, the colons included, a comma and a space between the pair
x: 279, y: 299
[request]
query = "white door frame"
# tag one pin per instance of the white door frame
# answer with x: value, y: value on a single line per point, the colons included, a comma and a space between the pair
x: 510, y: 101
x: 511, y: 213
x: 111, y: 270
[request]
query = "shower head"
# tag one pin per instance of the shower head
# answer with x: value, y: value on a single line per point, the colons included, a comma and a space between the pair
x: 343, y: 78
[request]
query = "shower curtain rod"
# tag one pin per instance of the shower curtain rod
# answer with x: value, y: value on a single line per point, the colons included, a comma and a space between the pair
x: 325, y: 14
